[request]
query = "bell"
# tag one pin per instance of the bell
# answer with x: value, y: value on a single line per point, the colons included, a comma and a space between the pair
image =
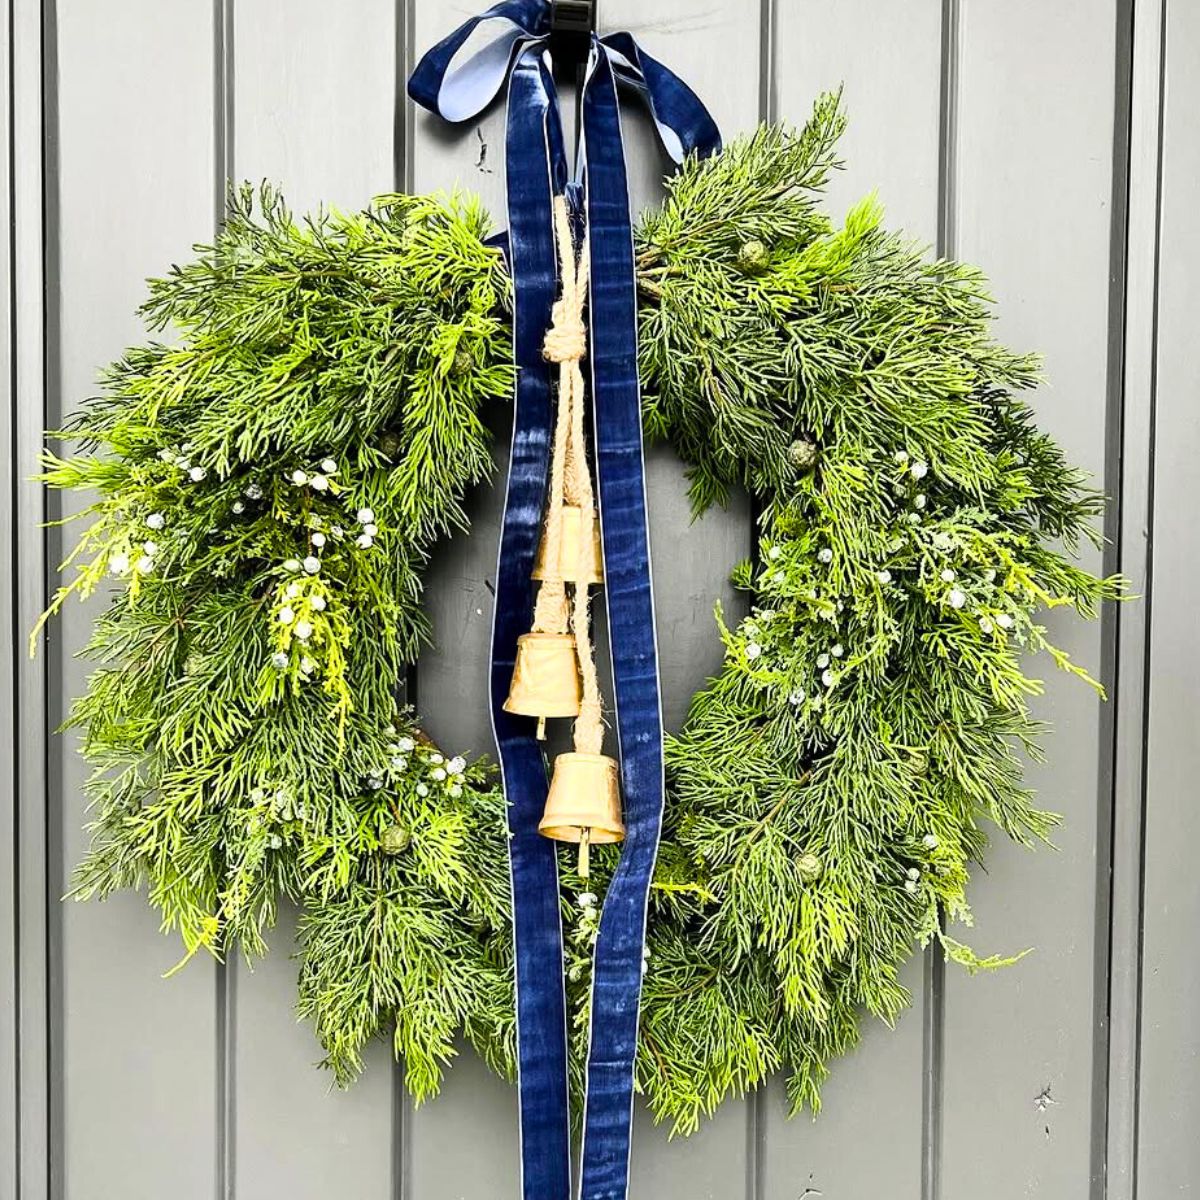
x: 584, y: 804
x: 568, y: 556
x: 545, y: 681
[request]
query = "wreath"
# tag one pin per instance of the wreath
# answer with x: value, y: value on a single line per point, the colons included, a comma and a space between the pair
x: 271, y: 482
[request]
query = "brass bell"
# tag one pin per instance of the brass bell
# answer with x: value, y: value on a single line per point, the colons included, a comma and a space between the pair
x: 584, y: 804
x: 545, y: 680
x: 568, y: 556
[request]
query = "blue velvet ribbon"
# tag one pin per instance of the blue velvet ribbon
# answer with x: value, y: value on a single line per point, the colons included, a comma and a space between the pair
x: 458, y: 79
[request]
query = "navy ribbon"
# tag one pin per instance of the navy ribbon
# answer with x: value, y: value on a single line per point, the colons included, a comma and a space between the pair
x: 458, y: 79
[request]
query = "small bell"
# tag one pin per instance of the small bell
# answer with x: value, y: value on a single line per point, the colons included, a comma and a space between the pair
x: 584, y: 804
x: 568, y: 556
x: 545, y: 680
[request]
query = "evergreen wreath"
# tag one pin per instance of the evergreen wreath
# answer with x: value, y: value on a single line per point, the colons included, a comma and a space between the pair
x: 272, y: 482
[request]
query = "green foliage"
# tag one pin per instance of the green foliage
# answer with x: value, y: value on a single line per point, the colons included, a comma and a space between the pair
x: 270, y: 484
x: 265, y: 491
x: 830, y: 786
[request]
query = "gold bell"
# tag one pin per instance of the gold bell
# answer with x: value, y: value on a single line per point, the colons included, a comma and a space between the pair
x: 545, y: 680
x: 584, y: 804
x: 568, y: 555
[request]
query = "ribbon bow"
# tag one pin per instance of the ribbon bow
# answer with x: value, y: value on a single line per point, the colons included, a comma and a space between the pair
x: 458, y: 79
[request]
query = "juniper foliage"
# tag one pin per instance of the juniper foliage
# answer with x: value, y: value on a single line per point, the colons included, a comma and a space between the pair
x: 830, y: 789
x: 266, y: 488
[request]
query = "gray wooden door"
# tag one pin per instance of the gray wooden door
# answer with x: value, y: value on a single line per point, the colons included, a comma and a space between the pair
x: 1053, y: 141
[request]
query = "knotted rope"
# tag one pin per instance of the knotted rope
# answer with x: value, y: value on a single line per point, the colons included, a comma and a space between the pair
x: 570, y: 482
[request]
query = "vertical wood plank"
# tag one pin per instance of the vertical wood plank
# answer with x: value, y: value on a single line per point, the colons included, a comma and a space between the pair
x: 888, y: 60
x: 1168, y: 1154
x: 717, y: 51
x: 133, y: 150
x: 1139, y: 107
x: 9, y: 676
x: 1035, y: 154
x: 313, y: 104
x: 24, y: 821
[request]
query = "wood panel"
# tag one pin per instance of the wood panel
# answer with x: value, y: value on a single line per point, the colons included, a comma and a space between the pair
x: 24, y: 913
x: 312, y: 111
x: 1169, y: 1086
x: 1035, y: 167
x: 888, y: 61
x: 131, y: 177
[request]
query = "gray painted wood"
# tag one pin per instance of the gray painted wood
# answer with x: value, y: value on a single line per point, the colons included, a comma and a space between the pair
x: 9, y: 902
x: 135, y: 1064
x: 1033, y: 190
x: 889, y: 64
x: 312, y: 112
x: 994, y: 128
x: 25, y: 992
x: 1141, y: 27
x: 1169, y: 1085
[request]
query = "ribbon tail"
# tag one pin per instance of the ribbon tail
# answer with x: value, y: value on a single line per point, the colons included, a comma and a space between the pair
x: 537, y: 922
x: 620, y: 459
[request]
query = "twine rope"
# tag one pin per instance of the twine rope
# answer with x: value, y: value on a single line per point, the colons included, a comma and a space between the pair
x: 571, y: 482
x: 565, y: 344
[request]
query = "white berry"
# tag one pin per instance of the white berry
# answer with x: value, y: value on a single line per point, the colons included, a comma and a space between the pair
x: 364, y: 541
x: 196, y: 474
x: 329, y: 466
x: 279, y: 659
x: 303, y: 630
x: 919, y: 470
x: 370, y: 530
x: 118, y: 564
x: 155, y: 521
x: 238, y: 507
x: 957, y: 598
x: 286, y: 615
x: 319, y: 483
x: 292, y: 564
x: 884, y: 576
x: 318, y: 540
x: 838, y: 651
x: 365, y: 516
x: 299, y: 478
x: 825, y: 555
x: 931, y: 841
x: 318, y: 603
x: 948, y: 576
x: 753, y: 650
x: 312, y: 564
x: 1004, y: 621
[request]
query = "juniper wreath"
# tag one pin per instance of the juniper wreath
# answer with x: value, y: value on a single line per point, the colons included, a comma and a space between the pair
x: 267, y: 488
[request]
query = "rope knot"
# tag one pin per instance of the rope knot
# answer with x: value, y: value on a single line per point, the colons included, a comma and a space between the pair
x: 566, y: 340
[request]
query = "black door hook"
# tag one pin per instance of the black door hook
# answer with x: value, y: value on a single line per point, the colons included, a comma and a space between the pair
x: 572, y: 23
